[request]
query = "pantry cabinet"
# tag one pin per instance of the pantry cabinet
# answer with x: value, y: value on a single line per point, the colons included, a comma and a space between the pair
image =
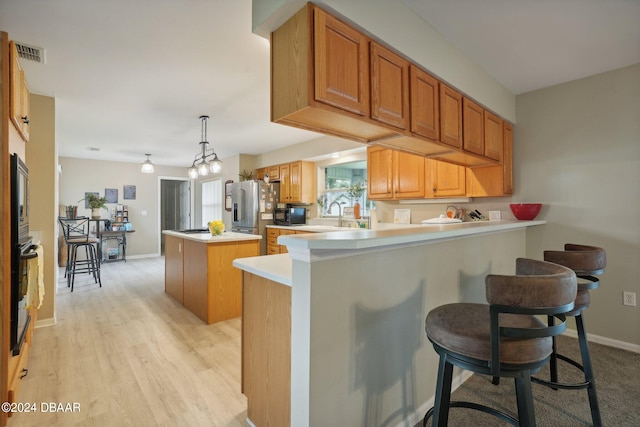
x: 394, y: 174
x: 389, y: 87
x: 19, y: 94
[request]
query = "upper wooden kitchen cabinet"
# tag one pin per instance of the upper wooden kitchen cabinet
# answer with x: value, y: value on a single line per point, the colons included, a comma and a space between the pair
x: 297, y: 182
x: 494, y: 180
x: 389, y: 87
x: 320, y: 77
x: 472, y: 127
x: 450, y: 116
x: 444, y: 179
x: 424, y: 104
x: 20, y: 96
x: 493, y: 136
x: 394, y: 174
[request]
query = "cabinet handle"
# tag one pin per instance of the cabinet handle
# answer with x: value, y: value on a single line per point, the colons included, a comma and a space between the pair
x: 25, y: 120
x: 25, y: 372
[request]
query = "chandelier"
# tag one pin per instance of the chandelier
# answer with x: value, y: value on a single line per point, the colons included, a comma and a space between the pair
x: 207, y: 160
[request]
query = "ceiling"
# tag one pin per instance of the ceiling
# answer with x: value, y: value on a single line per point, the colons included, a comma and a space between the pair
x: 132, y: 77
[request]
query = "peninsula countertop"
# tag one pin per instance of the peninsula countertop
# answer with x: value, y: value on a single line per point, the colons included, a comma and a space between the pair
x: 278, y: 267
x: 206, y: 237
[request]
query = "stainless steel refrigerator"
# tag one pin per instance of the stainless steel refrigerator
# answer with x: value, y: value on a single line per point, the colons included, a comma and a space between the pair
x: 253, y: 203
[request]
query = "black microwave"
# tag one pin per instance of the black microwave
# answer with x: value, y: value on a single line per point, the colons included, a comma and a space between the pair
x: 290, y: 216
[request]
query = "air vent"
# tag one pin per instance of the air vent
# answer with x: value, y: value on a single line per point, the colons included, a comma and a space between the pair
x: 30, y: 53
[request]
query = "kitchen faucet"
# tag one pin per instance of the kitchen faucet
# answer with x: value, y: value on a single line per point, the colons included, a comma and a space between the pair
x: 339, y: 212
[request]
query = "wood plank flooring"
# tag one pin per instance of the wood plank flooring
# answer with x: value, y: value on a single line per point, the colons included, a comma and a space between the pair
x: 132, y: 356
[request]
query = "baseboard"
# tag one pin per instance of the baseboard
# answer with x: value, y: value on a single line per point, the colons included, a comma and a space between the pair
x: 42, y: 323
x: 418, y: 415
x: 622, y: 345
x: 157, y: 254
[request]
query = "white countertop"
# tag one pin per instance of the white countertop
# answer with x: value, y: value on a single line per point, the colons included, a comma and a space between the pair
x: 227, y: 236
x: 278, y: 267
x: 272, y: 267
x: 411, y: 233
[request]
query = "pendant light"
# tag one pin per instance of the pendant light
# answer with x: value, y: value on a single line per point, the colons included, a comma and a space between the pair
x: 207, y: 160
x: 147, y: 166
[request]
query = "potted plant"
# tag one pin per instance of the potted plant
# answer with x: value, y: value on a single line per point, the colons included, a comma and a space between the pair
x: 355, y: 191
x: 95, y: 203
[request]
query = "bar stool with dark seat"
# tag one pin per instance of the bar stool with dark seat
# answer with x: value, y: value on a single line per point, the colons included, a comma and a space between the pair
x: 586, y: 262
x: 503, y: 338
x: 77, y: 235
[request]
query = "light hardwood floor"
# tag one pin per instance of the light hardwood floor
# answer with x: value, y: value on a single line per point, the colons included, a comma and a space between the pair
x: 132, y: 356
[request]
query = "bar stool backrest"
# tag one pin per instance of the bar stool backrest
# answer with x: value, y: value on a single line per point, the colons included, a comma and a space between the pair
x: 75, y: 230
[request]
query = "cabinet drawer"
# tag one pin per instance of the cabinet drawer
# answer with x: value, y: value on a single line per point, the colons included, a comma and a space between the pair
x: 16, y: 366
x: 272, y: 250
x: 273, y: 232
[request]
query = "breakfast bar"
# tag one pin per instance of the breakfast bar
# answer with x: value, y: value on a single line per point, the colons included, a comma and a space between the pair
x: 350, y: 307
x: 199, y: 273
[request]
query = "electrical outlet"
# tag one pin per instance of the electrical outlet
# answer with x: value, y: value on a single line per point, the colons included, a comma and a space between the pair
x: 629, y: 298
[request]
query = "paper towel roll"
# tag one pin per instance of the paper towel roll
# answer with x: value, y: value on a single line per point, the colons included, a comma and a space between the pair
x: 374, y: 218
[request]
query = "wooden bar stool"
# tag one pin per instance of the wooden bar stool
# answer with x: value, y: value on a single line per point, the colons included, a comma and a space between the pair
x: 586, y: 262
x: 503, y: 338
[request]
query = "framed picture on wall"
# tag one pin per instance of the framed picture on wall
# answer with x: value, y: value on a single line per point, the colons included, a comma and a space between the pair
x: 129, y: 192
x: 111, y: 194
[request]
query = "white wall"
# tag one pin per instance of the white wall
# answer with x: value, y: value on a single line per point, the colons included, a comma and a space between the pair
x: 577, y: 150
x: 82, y: 175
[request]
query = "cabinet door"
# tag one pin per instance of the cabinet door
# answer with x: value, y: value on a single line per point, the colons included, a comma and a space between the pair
x: 450, y: 116
x: 274, y: 172
x: 408, y: 175
x: 196, y: 279
x: 19, y: 93
x: 341, y: 59
x: 389, y: 87
x: 473, y: 127
x: 425, y: 106
x: 272, y: 241
x: 285, y: 187
x: 507, y: 158
x: 444, y: 179
x: 173, y: 267
x: 493, y: 136
x: 295, y: 182
x: 379, y: 173
x: 259, y: 173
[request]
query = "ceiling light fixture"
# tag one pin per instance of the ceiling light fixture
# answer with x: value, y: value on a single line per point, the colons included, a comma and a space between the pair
x: 147, y: 166
x: 207, y: 160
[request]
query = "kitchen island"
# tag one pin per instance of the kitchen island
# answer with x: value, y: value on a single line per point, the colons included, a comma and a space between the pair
x: 199, y: 272
x: 353, y: 325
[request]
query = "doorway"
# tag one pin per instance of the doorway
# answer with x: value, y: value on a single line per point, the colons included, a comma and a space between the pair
x: 175, y: 206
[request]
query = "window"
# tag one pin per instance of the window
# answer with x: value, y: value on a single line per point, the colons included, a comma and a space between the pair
x: 212, y: 200
x: 338, y: 181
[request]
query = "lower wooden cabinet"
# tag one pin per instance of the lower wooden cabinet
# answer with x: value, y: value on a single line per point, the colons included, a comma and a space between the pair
x: 266, y: 350
x: 272, y: 239
x: 173, y: 267
x: 201, y: 276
